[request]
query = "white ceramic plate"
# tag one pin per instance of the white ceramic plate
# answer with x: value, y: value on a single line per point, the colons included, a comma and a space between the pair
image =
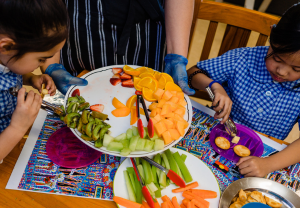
x: 198, y: 169
x: 101, y: 91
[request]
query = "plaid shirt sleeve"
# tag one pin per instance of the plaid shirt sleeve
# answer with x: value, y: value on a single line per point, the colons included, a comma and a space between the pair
x: 222, y: 68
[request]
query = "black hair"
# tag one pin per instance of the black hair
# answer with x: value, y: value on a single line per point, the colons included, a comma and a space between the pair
x: 34, y: 25
x: 285, y: 36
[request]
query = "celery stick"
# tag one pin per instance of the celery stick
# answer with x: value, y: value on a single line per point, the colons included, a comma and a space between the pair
x: 129, y: 187
x: 164, y: 157
x: 162, y: 179
x: 183, y: 157
x: 152, y: 187
x: 147, y: 171
x: 157, y: 159
x: 167, y: 182
x: 184, y: 170
x: 141, y: 171
x: 158, y: 192
x: 138, y: 188
x: 151, y: 192
x: 171, y: 160
x: 154, y: 169
x: 130, y: 170
x: 138, y: 160
x: 179, y: 171
x: 131, y: 177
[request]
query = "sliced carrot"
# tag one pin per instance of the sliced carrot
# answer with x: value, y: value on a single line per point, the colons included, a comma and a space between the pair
x: 205, y: 194
x: 164, y: 205
x: 175, y: 202
x: 191, y: 196
x: 165, y: 198
x: 187, y: 187
x: 185, y: 201
x: 199, y: 204
x: 189, y: 205
x: 126, y: 203
x: 182, y: 205
x: 156, y: 204
x: 145, y: 204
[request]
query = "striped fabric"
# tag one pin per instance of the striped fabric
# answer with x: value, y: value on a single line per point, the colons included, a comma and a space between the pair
x: 93, y: 41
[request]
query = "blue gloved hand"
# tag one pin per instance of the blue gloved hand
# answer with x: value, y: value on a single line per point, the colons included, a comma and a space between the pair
x: 63, y: 79
x: 176, y: 67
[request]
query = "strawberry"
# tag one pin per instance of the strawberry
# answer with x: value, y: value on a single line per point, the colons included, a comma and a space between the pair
x: 76, y: 92
x: 115, y: 81
x: 116, y: 76
x: 125, y: 76
x: 128, y: 83
x: 117, y: 70
x: 97, y: 107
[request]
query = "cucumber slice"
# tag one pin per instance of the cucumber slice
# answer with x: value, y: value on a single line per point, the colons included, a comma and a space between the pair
x: 155, y: 136
x: 149, y: 145
x: 107, y: 139
x: 129, y: 133
x: 115, y: 146
x: 135, y: 131
x: 140, y: 144
x: 120, y: 137
x: 158, y: 144
x: 133, y: 142
x: 146, y: 135
x: 125, y: 143
x: 129, y: 187
x: 125, y: 151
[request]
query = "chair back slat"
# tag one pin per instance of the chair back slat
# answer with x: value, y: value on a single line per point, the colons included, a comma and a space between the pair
x: 262, y: 39
x: 209, y: 40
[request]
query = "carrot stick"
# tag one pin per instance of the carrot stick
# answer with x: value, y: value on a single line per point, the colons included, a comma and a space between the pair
x: 126, y: 202
x: 145, y: 204
x: 192, y: 196
x: 185, y: 201
x: 205, y: 194
x: 165, y: 198
x: 164, y: 205
x: 187, y: 187
x: 156, y: 204
x: 182, y: 205
x: 200, y: 204
x: 175, y: 202
x: 189, y: 205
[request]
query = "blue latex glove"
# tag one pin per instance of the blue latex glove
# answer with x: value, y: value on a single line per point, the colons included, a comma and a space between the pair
x: 63, y: 79
x: 176, y: 67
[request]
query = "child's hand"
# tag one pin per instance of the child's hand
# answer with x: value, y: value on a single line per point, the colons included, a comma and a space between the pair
x: 224, y: 101
x: 38, y: 80
x: 26, y: 110
x: 254, y: 166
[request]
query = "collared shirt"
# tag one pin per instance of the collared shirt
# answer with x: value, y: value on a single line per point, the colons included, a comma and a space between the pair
x: 8, y: 102
x: 259, y: 102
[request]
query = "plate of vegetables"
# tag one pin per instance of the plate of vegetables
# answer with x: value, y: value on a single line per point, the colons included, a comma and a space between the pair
x: 202, y: 188
x: 103, y: 114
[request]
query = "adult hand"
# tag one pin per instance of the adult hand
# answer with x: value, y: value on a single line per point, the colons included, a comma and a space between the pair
x: 176, y: 67
x: 254, y: 166
x: 26, y: 110
x: 63, y: 79
x: 38, y: 80
x: 222, y: 101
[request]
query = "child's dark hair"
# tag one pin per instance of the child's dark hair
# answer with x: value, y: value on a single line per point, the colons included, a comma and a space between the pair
x: 34, y: 25
x: 285, y: 36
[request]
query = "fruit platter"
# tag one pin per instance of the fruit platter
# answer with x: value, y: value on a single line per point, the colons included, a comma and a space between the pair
x: 128, y: 111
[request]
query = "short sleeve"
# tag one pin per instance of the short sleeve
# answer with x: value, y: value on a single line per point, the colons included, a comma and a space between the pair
x: 222, y: 68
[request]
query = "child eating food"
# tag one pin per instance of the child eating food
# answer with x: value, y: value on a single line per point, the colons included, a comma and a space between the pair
x: 259, y: 87
x: 30, y: 32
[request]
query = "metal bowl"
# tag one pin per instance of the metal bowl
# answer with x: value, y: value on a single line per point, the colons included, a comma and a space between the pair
x: 267, y: 187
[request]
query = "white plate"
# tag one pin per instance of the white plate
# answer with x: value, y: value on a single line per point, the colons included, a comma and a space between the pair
x: 101, y: 91
x: 198, y: 169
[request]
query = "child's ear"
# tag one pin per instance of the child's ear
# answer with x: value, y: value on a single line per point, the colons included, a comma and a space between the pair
x: 6, y: 45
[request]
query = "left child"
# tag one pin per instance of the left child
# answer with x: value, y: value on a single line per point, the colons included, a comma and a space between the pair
x: 30, y: 33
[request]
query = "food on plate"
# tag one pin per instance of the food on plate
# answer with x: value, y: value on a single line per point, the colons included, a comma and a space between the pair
x: 45, y: 91
x: 235, y: 139
x: 252, y: 196
x: 187, y: 187
x: 127, y: 83
x: 241, y: 151
x: 97, y: 107
x: 272, y: 202
x: 222, y: 143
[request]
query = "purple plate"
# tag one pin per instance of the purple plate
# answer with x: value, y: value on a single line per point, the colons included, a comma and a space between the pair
x: 66, y: 150
x: 248, y: 138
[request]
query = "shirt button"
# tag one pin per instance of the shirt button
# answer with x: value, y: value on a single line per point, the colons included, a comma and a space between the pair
x: 268, y: 93
x: 275, y: 82
x: 260, y: 110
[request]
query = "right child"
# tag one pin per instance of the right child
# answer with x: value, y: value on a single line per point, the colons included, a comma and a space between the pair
x: 260, y: 88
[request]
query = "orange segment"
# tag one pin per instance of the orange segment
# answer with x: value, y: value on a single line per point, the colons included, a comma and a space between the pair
x: 131, y: 71
x: 161, y: 82
x: 157, y: 75
x: 148, y: 82
x: 133, y: 117
x: 146, y: 74
x: 167, y: 77
x: 142, y: 112
x: 130, y: 102
x: 148, y: 94
x: 135, y: 83
x: 121, y: 112
x: 117, y: 104
x: 172, y: 87
x: 142, y: 69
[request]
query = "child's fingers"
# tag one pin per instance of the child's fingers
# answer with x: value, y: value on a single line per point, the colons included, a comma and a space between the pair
x: 220, y: 105
x: 37, y: 101
x: 21, y: 96
x: 246, y: 170
x: 243, y: 159
x: 227, y: 111
x: 29, y: 98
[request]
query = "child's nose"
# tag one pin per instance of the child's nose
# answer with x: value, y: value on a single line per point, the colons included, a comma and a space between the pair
x: 282, y: 71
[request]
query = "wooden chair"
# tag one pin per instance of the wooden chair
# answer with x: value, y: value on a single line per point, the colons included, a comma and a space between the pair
x: 240, y: 22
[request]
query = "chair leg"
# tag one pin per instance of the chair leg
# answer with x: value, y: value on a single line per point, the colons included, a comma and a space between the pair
x: 249, y: 4
x: 264, y: 5
x: 221, y: 1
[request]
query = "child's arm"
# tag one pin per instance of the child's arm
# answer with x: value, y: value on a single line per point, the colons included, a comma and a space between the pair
x: 201, y: 81
x: 260, y: 167
x: 22, y: 118
x: 36, y: 81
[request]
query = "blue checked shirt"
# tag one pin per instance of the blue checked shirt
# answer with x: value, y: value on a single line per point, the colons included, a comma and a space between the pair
x: 8, y: 102
x: 259, y: 102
